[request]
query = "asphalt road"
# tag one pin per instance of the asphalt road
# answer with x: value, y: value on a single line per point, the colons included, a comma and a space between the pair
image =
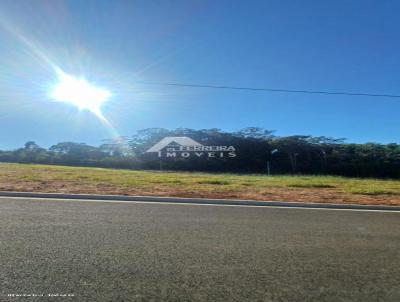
x: 161, y: 252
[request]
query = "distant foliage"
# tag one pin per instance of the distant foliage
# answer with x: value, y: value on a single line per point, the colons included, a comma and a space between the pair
x: 255, y: 147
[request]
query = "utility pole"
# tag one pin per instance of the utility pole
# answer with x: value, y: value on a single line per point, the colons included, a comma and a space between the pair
x: 268, y: 161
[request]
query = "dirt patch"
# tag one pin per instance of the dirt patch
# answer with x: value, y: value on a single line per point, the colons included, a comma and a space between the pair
x: 323, y: 195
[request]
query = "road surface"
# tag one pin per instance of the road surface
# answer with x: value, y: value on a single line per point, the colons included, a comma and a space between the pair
x: 103, y: 251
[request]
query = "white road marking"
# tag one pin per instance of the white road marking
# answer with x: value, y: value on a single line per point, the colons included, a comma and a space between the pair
x: 197, y: 204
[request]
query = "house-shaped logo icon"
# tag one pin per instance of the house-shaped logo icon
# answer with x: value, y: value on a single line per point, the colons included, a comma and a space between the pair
x: 186, y: 147
x: 174, y: 141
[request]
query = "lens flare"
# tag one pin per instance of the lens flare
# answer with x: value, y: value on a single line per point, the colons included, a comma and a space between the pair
x: 69, y: 89
x: 79, y: 92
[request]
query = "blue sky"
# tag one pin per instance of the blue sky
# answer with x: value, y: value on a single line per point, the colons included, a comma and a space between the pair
x: 125, y: 46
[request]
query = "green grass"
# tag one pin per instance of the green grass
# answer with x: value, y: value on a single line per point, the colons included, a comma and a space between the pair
x: 46, y: 178
x: 311, y: 185
x: 214, y: 182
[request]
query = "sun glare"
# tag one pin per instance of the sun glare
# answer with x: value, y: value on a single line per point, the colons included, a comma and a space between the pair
x: 80, y: 93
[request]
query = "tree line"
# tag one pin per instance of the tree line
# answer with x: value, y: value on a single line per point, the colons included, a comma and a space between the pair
x: 255, y: 147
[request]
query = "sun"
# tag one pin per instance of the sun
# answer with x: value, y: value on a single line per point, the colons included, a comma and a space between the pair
x: 80, y: 93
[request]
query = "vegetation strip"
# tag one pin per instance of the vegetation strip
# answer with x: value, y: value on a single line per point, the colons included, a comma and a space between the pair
x: 76, y: 180
x: 257, y: 150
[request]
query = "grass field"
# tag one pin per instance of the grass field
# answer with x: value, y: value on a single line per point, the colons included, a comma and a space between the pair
x: 43, y: 178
